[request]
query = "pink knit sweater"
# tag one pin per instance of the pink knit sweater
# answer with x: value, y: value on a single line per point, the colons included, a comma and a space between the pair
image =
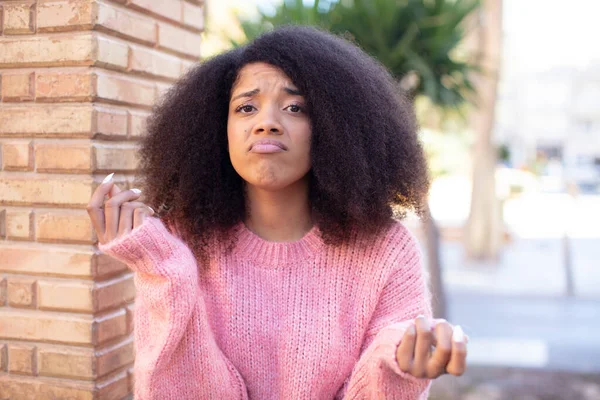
x: 273, y: 320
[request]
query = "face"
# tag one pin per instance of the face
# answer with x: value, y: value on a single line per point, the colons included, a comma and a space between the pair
x: 268, y: 128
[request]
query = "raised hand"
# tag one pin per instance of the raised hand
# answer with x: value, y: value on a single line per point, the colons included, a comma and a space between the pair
x: 118, y: 215
x: 427, y: 352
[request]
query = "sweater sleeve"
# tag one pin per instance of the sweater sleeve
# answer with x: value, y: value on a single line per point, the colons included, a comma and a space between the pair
x: 405, y: 295
x: 168, y: 300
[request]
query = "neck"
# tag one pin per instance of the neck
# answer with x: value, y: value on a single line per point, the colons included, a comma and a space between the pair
x: 279, y: 216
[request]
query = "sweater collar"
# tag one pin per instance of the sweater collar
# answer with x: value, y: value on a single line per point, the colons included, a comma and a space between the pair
x: 250, y: 246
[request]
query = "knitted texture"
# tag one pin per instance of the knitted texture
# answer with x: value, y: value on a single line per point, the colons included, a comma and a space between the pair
x: 273, y: 320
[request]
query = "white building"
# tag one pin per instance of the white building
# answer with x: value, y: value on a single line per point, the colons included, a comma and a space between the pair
x: 552, y: 120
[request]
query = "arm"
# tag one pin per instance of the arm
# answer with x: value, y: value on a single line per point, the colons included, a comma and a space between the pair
x: 168, y: 300
x: 377, y: 375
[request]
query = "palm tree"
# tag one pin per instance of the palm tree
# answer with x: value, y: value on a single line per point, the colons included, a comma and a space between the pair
x: 484, y: 230
x: 419, y: 41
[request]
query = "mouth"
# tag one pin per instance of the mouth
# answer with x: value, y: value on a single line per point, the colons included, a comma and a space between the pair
x: 267, y: 146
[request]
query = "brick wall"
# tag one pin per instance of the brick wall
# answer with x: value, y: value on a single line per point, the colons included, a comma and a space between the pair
x: 77, y: 80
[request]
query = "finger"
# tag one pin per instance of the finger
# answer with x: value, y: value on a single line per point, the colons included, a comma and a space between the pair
x: 434, y: 324
x: 140, y: 215
x: 422, y: 347
x: 405, y: 351
x: 114, y: 191
x: 112, y: 210
x: 443, y: 350
x: 94, y: 207
x: 126, y: 216
x: 458, y: 359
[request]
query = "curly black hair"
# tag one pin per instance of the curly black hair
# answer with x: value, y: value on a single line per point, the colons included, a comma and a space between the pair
x: 366, y: 160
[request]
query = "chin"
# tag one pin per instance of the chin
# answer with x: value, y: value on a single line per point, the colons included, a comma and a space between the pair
x: 268, y: 184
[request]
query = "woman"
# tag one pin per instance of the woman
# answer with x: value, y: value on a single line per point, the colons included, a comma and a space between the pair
x: 275, y: 270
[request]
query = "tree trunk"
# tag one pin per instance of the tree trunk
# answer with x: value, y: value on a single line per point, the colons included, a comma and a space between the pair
x: 484, y: 229
x: 432, y: 239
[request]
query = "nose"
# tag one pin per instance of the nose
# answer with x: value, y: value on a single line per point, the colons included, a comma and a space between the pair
x: 268, y: 123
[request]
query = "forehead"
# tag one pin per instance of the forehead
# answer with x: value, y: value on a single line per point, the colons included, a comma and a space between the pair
x: 259, y: 72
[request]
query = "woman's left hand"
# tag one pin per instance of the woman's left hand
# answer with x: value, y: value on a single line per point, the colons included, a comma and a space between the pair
x: 427, y: 352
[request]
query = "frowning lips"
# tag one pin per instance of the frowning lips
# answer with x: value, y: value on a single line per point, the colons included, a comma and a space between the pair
x: 267, y: 146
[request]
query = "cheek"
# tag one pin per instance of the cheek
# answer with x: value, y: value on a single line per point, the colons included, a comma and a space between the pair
x: 304, y: 140
x: 234, y: 137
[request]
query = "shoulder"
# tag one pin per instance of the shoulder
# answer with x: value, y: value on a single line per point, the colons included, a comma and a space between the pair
x: 393, y: 242
x: 393, y: 249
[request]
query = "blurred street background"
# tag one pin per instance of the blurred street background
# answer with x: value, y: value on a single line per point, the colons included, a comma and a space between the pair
x: 507, y: 94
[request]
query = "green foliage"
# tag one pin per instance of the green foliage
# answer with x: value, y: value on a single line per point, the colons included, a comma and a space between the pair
x: 410, y: 37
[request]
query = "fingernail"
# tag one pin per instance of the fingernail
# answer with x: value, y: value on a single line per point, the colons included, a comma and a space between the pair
x: 108, y: 178
x: 136, y: 191
x: 411, y: 330
x: 458, y: 335
x: 436, y: 322
x: 152, y: 210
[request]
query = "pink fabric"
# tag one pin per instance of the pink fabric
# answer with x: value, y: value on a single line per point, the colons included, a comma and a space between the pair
x: 267, y: 320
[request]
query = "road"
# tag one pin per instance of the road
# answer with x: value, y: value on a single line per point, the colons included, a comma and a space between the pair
x: 529, y: 331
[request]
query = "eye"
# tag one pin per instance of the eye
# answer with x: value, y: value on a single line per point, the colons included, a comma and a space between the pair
x: 245, y: 108
x: 295, y: 108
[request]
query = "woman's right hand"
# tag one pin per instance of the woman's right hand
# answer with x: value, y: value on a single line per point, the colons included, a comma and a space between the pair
x: 118, y: 215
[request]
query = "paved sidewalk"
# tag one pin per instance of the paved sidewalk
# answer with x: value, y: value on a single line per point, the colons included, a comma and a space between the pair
x: 516, y: 384
x: 529, y: 332
x: 530, y: 267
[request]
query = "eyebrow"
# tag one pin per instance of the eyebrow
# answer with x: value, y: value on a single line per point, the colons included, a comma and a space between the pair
x: 254, y: 92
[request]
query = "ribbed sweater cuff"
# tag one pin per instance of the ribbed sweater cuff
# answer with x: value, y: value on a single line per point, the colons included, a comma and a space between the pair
x: 146, y: 247
x: 386, y: 344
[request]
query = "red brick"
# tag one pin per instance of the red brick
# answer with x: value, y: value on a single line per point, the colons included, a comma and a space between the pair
x: 22, y: 359
x: 178, y: 40
x: 70, y: 226
x: 2, y: 292
x: 64, y: 15
x: 23, y: 387
x: 22, y: 292
x: 126, y: 23
x: 187, y: 65
x: 125, y: 90
x: 17, y: 155
x: 130, y: 311
x: 152, y: 62
x: 18, y: 87
x: 30, y: 258
x: 113, y: 387
x: 43, y: 326
x: 62, y: 156
x: 66, y: 362
x: 113, y: 293
x: 111, y: 53
x: 110, y: 122
x: 110, y: 327
x: 106, y: 266
x: 65, y: 295
x: 131, y: 378
x: 19, y: 224
x: 171, y: 9
x: 114, y: 357
x: 71, y: 49
x: 161, y: 89
x: 137, y: 123
x: 115, y: 157
x: 65, y: 86
x: 48, y: 120
x: 42, y: 190
x: 193, y: 16
x: 19, y: 18
x: 3, y: 357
